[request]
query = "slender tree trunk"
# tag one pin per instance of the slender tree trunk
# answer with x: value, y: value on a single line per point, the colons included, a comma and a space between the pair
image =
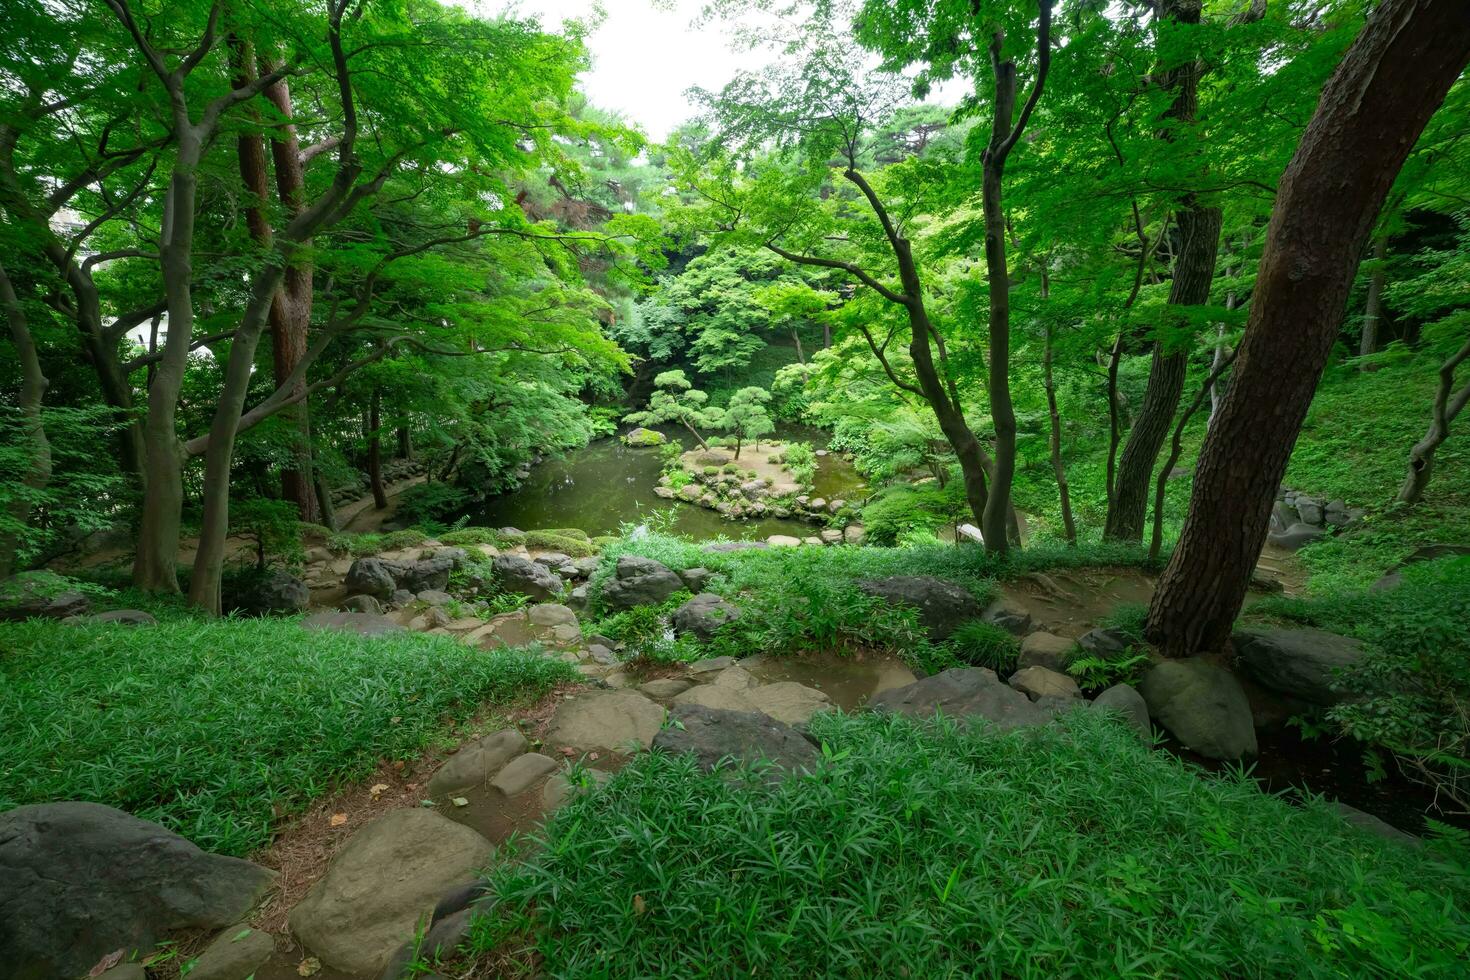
x: 1194, y: 268
x: 1372, y: 110
x: 1057, y: 466
x: 33, y: 386
x: 375, y: 448
x: 1373, y: 309
x: 999, y: 516
x: 1222, y: 350
x: 1448, y: 403
x: 324, y: 500
x: 204, y: 581
x: 1176, y: 449
x: 155, y: 567
x: 826, y: 335
x: 405, y: 443
x: 796, y: 339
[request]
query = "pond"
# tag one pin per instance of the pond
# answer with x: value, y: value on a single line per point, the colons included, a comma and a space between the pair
x: 606, y: 485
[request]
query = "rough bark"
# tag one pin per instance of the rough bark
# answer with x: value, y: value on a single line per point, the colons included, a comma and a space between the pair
x: 1373, y: 306
x: 33, y: 384
x: 405, y: 443
x: 291, y: 313
x: 1194, y: 268
x: 1448, y: 403
x: 1371, y: 112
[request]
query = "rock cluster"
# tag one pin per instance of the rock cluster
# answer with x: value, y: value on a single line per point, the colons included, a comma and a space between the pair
x: 1298, y: 518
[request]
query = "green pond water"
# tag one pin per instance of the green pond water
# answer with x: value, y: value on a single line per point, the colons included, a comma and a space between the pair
x: 608, y: 485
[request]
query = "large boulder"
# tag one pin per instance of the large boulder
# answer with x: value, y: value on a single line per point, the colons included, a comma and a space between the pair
x: 616, y: 720
x: 704, y: 615
x: 1040, y: 682
x: 33, y: 595
x: 276, y: 592
x: 714, y: 735
x: 385, y: 878
x: 1047, y: 650
x: 641, y: 437
x: 371, y: 576
x: 81, y: 880
x: 426, y: 575
x: 1301, y: 663
x: 735, y: 689
x: 968, y: 692
x: 476, y: 762
x: 124, y: 617
x: 1201, y: 705
x: 521, y: 576
x: 1296, y: 536
x: 1128, y: 703
x: 639, y: 582
x: 942, y: 606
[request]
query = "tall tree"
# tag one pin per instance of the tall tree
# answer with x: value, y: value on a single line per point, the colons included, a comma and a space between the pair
x: 1198, y: 222
x: 1371, y: 112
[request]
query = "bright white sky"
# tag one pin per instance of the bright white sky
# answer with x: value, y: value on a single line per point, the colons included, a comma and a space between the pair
x: 644, y: 56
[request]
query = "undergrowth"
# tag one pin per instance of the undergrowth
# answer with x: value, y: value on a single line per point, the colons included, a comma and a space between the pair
x: 921, y: 850
x: 217, y: 728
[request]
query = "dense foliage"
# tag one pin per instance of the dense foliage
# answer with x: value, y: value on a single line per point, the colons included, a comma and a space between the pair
x: 927, y: 851
x: 221, y: 729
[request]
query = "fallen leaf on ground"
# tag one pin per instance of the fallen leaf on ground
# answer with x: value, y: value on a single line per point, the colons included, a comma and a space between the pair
x: 338, y: 819
x: 378, y: 789
x: 460, y: 801
x: 639, y: 905
x: 309, y: 967
x: 106, y: 963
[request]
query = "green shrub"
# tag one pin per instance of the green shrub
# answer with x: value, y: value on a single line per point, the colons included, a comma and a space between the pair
x: 928, y: 851
x: 568, y: 532
x: 982, y: 644
x: 376, y: 542
x: 905, y: 509
x: 220, y: 728
x: 729, y: 468
x: 271, y: 526
x: 1128, y: 618
x: 1412, y: 688
x: 556, y: 541
x: 468, y: 536
x: 711, y: 471
x: 1095, y: 673
x: 679, y: 479
x: 428, y: 503
x: 801, y: 462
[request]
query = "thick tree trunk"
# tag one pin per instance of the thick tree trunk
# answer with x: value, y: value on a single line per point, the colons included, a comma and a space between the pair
x: 1373, y: 308
x: 375, y: 448
x: 405, y: 443
x: 1371, y: 112
x: 33, y: 386
x: 1448, y: 403
x: 291, y: 313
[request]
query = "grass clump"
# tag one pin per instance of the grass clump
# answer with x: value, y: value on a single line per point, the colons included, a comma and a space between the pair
x: 216, y: 728
x: 377, y: 541
x: 567, y: 544
x: 981, y: 644
x: 922, y: 850
x: 469, y: 536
